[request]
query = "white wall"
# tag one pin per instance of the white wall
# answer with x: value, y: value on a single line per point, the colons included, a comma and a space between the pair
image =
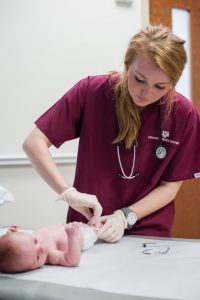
x: 46, y: 46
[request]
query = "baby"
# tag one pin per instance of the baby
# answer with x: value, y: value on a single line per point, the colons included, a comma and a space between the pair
x: 52, y: 245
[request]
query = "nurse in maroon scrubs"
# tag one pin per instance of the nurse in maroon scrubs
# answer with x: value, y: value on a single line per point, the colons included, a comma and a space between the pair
x: 138, y: 140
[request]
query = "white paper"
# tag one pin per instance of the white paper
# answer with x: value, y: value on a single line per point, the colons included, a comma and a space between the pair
x: 121, y: 268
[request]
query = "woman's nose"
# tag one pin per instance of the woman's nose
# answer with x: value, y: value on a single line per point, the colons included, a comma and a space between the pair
x: 145, y: 91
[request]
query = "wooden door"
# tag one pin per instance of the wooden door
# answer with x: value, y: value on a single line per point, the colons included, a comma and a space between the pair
x: 187, y: 217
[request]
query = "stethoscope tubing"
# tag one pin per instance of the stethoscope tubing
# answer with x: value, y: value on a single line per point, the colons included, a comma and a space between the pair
x: 160, y: 152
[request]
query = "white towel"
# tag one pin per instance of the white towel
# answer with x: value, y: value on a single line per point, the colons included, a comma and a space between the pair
x: 5, y: 196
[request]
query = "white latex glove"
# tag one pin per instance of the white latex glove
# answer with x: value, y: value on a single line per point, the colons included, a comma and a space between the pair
x: 82, y: 203
x: 113, y: 227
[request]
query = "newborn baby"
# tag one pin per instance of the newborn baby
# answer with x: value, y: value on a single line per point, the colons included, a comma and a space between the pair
x: 53, y: 245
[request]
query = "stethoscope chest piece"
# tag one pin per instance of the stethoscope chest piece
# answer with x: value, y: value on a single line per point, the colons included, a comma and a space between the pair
x: 161, y: 152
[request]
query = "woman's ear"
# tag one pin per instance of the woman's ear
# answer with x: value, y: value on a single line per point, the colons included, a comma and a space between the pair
x: 126, y: 67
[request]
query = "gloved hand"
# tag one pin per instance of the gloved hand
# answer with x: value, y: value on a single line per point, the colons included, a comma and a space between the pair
x: 82, y: 203
x: 113, y: 227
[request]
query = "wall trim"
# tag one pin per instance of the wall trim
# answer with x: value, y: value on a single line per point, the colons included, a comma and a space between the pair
x: 22, y: 160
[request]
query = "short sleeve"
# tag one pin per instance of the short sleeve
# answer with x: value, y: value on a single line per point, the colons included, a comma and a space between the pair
x: 185, y: 164
x: 62, y: 122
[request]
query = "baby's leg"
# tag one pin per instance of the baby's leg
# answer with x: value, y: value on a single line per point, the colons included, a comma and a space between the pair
x: 75, y: 244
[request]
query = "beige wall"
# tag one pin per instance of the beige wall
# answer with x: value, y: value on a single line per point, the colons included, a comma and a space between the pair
x: 35, y: 204
x: 26, y: 89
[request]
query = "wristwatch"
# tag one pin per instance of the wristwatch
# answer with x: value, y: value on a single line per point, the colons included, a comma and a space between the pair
x: 130, y: 216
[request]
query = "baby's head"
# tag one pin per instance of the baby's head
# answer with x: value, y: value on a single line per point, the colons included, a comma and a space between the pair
x: 21, y: 252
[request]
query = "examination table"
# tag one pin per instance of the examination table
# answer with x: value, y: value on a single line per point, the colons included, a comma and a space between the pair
x: 124, y: 270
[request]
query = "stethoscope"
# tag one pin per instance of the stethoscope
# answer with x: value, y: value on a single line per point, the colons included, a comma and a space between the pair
x: 160, y: 152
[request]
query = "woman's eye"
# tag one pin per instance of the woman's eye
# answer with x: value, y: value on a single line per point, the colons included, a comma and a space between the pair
x: 160, y: 87
x: 35, y: 241
x: 139, y: 80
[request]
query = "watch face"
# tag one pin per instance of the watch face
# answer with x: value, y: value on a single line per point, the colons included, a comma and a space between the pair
x: 131, y: 219
x: 130, y: 216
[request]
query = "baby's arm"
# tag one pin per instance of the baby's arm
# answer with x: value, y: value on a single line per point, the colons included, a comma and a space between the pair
x: 75, y: 244
x: 71, y: 257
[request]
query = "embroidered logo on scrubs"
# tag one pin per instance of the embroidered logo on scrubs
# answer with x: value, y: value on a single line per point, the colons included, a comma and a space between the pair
x: 165, y: 134
x: 197, y: 175
x: 150, y: 137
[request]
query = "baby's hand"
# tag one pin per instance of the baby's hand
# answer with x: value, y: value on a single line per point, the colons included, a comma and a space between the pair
x: 75, y: 240
x: 72, y: 228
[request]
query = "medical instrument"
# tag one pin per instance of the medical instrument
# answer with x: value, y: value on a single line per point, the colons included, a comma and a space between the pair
x: 153, y: 244
x: 155, y: 248
x: 160, y: 152
x: 122, y: 174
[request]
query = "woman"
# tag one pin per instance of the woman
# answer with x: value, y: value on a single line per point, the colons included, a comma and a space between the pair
x: 139, y: 139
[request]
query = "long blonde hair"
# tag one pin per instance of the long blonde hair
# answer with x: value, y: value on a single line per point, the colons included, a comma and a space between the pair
x: 167, y: 51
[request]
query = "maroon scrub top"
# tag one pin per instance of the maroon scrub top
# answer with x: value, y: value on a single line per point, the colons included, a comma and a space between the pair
x: 87, y: 111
